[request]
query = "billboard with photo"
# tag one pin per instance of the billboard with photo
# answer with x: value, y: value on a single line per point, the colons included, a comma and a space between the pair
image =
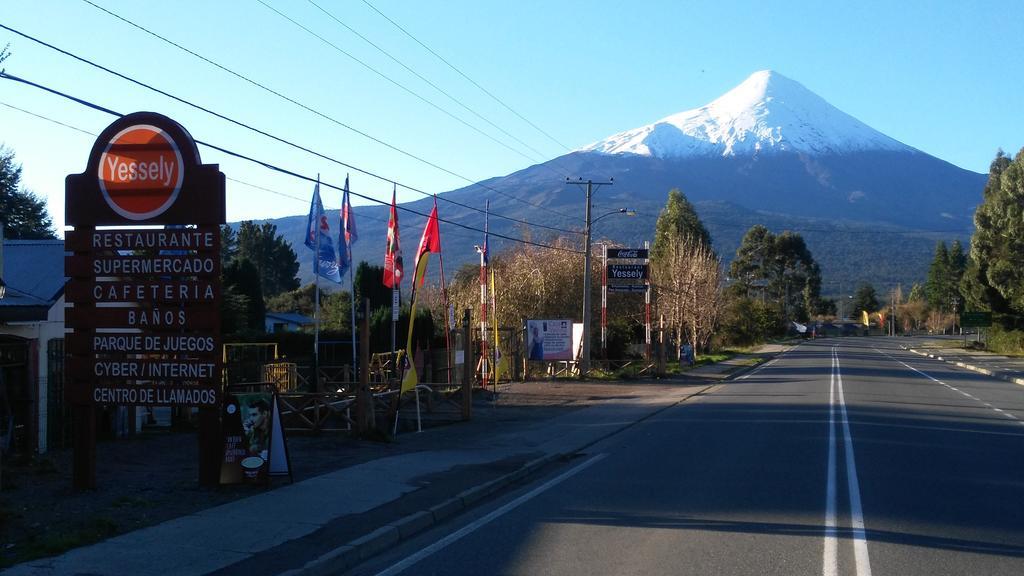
x: 549, y: 339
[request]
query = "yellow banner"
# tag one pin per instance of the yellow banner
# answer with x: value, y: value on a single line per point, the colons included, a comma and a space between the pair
x: 500, y: 363
x: 410, y: 379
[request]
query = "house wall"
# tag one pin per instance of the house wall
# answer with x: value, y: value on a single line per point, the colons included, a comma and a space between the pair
x: 41, y: 333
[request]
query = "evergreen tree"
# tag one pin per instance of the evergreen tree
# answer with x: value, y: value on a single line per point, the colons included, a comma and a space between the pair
x: 866, y: 298
x: 749, y: 267
x: 779, y: 267
x: 228, y: 244
x: 917, y: 294
x: 685, y: 272
x: 995, y: 276
x: 272, y: 256
x: 937, y: 286
x: 957, y: 262
x: 243, y: 310
x: 677, y: 222
x: 369, y: 283
x: 22, y: 214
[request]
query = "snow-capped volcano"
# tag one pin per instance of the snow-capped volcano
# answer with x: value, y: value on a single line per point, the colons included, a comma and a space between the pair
x: 766, y: 113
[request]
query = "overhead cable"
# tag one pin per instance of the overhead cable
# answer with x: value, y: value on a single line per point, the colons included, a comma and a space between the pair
x: 461, y: 73
x: 311, y: 110
x: 275, y: 168
x: 277, y: 138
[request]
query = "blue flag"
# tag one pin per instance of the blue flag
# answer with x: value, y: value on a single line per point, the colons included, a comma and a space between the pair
x: 318, y: 230
x: 347, y: 234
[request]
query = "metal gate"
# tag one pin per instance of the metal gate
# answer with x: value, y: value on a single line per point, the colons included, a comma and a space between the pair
x: 15, y: 397
x: 58, y: 413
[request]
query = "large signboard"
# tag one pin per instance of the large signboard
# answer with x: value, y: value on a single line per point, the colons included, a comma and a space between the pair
x: 627, y: 271
x: 549, y: 339
x: 144, y: 301
x: 976, y: 319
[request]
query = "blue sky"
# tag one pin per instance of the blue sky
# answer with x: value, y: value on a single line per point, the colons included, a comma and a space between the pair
x: 944, y: 77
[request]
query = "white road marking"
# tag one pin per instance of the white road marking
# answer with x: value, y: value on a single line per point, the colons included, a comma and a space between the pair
x: 860, y: 540
x: 862, y: 561
x: 830, y: 563
x: 480, y: 522
x: 966, y: 395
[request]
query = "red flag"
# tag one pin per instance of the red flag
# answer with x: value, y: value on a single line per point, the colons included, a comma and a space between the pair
x: 393, y: 252
x: 429, y: 242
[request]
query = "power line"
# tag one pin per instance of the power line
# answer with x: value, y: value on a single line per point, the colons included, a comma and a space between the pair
x: 275, y: 168
x: 460, y: 73
x: 276, y: 138
x: 361, y: 213
x: 424, y: 79
x: 393, y: 81
x: 47, y: 119
x: 713, y: 224
x: 314, y: 111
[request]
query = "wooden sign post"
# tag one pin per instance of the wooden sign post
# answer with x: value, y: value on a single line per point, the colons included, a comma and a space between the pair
x: 144, y: 303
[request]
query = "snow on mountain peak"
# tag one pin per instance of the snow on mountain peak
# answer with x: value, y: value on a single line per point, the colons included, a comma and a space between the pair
x: 765, y: 113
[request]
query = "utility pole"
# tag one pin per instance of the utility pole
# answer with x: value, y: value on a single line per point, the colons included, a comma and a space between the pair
x: 591, y: 186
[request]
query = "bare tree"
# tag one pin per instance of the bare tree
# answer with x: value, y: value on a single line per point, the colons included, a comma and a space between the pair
x: 531, y: 282
x: 688, y: 286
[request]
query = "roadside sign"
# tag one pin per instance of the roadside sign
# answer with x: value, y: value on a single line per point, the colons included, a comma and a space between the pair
x: 976, y: 319
x: 627, y: 271
x: 140, y: 172
x: 628, y: 253
x: 143, y: 302
x: 627, y: 287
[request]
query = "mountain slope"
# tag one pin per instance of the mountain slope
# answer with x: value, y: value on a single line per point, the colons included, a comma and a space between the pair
x: 769, y: 151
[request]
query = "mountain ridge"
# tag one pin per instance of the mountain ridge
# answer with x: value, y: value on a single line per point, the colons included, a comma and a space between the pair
x: 766, y: 113
x: 871, y: 183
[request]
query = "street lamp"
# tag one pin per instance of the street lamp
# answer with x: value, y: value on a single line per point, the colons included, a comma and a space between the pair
x: 626, y: 211
x: 842, y: 317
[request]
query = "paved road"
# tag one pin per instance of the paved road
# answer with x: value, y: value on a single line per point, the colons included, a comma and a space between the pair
x: 951, y: 349
x: 845, y: 456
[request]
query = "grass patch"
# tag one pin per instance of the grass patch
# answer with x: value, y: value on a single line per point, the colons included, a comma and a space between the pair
x: 60, y: 541
x: 6, y: 514
x: 131, y: 502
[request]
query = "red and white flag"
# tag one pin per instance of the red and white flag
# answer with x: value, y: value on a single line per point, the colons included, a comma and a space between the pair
x: 393, y: 252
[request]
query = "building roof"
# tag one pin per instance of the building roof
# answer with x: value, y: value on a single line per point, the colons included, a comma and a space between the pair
x: 33, y: 271
x: 290, y: 317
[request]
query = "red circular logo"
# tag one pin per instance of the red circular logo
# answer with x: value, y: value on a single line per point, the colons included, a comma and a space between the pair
x: 141, y: 172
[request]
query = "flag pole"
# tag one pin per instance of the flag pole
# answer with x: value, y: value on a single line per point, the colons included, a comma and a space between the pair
x: 396, y: 297
x: 352, y: 291
x: 349, y: 219
x: 316, y: 309
x: 484, y: 369
x: 444, y: 302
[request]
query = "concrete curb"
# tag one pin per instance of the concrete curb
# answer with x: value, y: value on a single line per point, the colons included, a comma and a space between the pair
x: 966, y: 366
x: 351, y: 554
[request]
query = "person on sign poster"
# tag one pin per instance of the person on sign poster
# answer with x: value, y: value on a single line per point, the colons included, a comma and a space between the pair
x: 536, y: 343
x: 256, y: 424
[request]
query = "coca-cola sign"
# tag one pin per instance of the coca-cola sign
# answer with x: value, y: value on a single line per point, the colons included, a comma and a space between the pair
x: 630, y: 253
